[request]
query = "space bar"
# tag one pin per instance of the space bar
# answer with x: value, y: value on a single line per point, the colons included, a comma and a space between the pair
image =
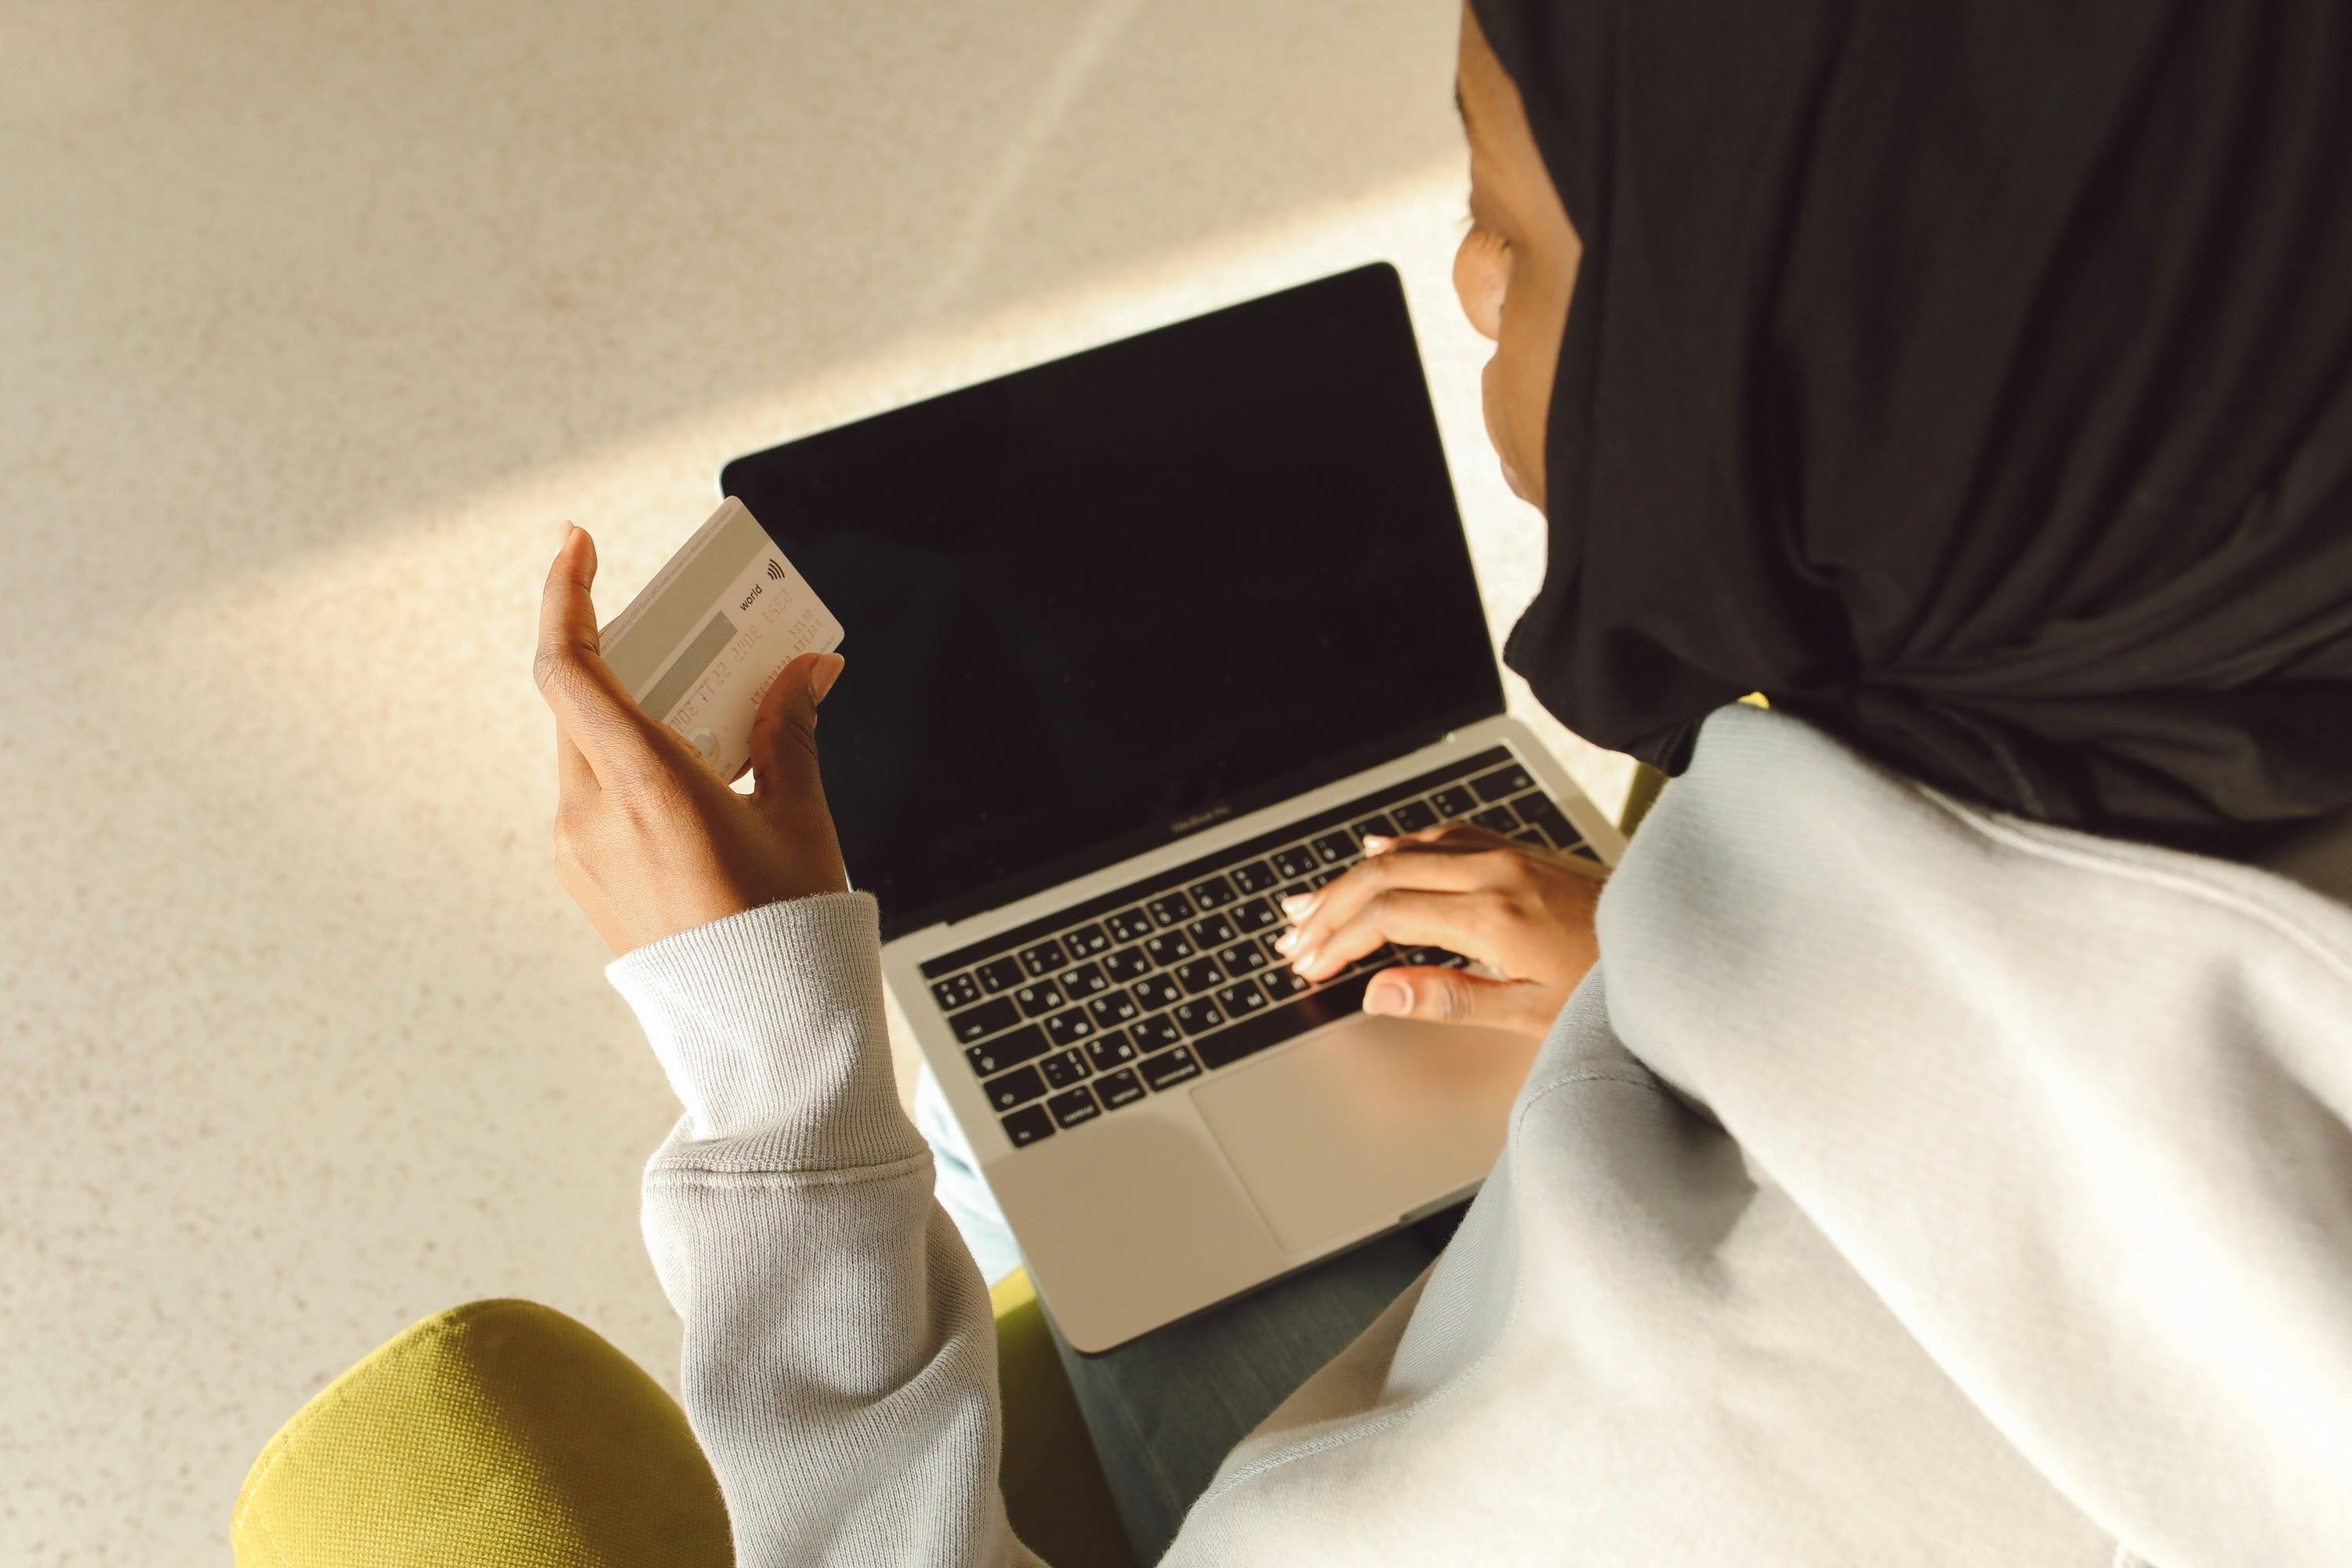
x: 1276, y: 1024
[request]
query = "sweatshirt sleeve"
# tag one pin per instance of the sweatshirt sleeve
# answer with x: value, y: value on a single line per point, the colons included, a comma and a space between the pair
x: 840, y: 1353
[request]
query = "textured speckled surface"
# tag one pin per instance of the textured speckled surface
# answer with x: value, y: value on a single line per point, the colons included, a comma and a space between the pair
x: 315, y: 321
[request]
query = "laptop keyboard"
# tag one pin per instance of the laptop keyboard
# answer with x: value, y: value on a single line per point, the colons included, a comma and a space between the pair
x: 1086, y: 1012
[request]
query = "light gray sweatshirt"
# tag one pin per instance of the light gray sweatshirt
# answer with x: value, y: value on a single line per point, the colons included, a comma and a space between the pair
x: 1908, y: 1184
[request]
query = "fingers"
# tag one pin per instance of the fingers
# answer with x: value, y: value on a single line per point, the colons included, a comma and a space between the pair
x: 1450, y: 996
x: 1458, y: 922
x: 1398, y: 864
x: 1469, y: 838
x: 590, y: 705
x: 1407, y: 867
x: 783, y: 732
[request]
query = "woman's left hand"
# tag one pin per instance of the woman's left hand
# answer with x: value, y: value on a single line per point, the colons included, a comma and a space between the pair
x: 649, y: 841
x: 1526, y: 914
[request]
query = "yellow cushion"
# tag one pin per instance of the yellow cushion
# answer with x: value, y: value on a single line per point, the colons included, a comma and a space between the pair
x: 498, y: 1434
x: 506, y: 1434
x: 1054, y: 1489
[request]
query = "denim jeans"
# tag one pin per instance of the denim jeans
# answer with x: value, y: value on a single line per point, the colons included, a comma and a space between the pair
x: 1165, y: 1409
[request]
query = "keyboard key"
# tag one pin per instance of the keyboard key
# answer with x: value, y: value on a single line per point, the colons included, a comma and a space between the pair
x: 956, y: 991
x: 1069, y: 1026
x: 1255, y: 877
x: 1160, y: 991
x: 1073, y: 1107
x: 1200, y: 974
x: 1126, y: 964
x: 1413, y: 816
x: 1171, y: 908
x: 1453, y: 801
x: 1587, y: 851
x: 1156, y: 1032
x: 1282, y: 983
x: 1197, y: 1015
x: 978, y: 1023
x: 1169, y: 1068
x: 1130, y: 925
x: 1118, y: 1088
x: 1000, y: 974
x: 1038, y: 999
x: 1275, y: 1025
x: 1537, y: 812
x: 1502, y: 783
x: 1534, y: 835
x: 1064, y: 1069
x: 1284, y: 895
x: 1045, y: 958
x: 1106, y: 1051
x: 1380, y: 824
x: 1324, y: 879
x: 1295, y: 861
x: 1334, y: 848
x: 1086, y: 980
x: 1086, y: 941
x: 1169, y: 947
x: 1026, y: 1126
x: 1432, y: 958
x: 1018, y: 1087
x: 1213, y: 894
x: 1215, y: 931
x: 1240, y: 1001
x: 1496, y: 819
x: 1254, y: 915
x: 1242, y: 958
x: 1008, y: 1050
x: 1110, y: 1011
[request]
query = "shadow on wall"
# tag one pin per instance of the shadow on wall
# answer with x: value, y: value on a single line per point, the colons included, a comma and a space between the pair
x: 404, y: 251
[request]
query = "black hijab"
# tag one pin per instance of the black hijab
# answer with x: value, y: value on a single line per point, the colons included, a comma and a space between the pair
x: 1972, y: 377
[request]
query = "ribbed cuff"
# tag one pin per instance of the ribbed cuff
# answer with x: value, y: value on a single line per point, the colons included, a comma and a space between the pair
x: 770, y: 1023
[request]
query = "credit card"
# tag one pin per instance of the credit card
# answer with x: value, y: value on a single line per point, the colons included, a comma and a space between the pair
x: 702, y: 641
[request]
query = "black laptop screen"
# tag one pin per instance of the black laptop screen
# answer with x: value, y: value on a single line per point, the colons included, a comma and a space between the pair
x: 1107, y: 601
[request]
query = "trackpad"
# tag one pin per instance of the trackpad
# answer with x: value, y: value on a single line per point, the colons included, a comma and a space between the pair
x: 1365, y: 1122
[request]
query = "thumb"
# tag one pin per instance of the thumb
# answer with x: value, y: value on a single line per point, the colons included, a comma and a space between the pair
x: 1450, y: 996
x: 783, y: 732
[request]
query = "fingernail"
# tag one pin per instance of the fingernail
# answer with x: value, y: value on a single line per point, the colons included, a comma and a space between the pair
x: 1298, y: 905
x: 1304, y: 961
x: 823, y: 673
x: 1287, y: 941
x: 563, y: 536
x: 1386, y: 995
x: 1375, y: 842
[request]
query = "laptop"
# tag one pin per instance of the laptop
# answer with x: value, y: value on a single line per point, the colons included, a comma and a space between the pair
x: 1140, y: 641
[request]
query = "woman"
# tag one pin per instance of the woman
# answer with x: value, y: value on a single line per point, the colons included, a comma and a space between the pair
x: 1946, y: 1159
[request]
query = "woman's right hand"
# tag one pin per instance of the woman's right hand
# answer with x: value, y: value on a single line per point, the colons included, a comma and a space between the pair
x: 1525, y: 913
